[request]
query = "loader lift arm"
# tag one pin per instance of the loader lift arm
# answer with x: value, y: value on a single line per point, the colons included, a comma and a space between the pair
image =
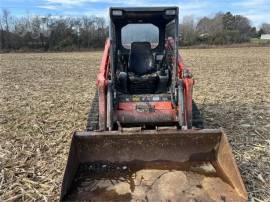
x: 102, y: 84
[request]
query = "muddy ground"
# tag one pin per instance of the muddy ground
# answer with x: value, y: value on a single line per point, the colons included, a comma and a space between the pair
x: 45, y: 97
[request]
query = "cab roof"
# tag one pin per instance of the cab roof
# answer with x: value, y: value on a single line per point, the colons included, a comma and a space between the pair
x: 154, y: 15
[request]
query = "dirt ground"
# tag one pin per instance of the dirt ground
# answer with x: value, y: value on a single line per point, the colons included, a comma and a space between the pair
x: 45, y: 97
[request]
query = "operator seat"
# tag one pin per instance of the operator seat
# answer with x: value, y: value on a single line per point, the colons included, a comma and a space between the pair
x: 141, y: 60
x: 142, y: 76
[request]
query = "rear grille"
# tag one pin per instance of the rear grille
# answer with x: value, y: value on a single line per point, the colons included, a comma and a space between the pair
x: 143, y: 86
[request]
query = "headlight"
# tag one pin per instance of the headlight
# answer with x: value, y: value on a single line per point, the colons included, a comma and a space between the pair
x: 117, y: 12
x: 170, y: 12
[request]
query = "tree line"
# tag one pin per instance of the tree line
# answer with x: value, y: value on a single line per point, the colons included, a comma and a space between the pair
x: 223, y: 28
x: 51, y: 33
x: 56, y: 33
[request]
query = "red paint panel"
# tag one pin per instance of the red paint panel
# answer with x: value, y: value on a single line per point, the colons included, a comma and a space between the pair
x: 104, y: 65
x: 163, y: 105
x: 130, y: 106
x: 188, y: 85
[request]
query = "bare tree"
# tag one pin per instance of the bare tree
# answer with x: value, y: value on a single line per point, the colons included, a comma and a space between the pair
x: 87, y: 27
x: 35, y: 27
x: 188, y: 34
x: 6, y: 21
x: 1, y: 34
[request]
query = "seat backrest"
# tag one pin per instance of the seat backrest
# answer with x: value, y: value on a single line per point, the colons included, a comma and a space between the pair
x: 141, y: 60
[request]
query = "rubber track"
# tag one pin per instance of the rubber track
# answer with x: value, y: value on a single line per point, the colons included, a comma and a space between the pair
x: 92, y: 120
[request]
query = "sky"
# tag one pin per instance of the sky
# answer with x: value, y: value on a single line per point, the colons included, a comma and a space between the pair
x: 258, y: 11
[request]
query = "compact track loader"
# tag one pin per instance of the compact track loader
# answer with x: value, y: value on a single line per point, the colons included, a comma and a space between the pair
x: 145, y: 138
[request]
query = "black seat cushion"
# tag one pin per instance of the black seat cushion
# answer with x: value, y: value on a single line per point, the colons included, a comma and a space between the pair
x: 141, y: 60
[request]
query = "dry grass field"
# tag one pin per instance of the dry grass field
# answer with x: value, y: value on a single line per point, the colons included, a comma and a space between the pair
x: 45, y: 97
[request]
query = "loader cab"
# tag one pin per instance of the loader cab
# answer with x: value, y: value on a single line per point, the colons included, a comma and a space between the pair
x: 140, y: 61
